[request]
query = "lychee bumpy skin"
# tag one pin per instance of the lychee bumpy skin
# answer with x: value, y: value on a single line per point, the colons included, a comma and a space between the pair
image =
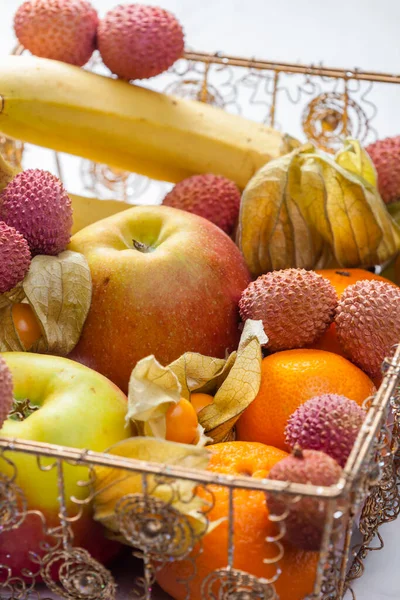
x: 305, y: 519
x: 15, y: 257
x: 137, y: 41
x: 37, y: 205
x: 385, y: 154
x: 329, y: 423
x: 63, y: 30
x: 368, y: 323
x: 210, y: 196
x: 296, y: 306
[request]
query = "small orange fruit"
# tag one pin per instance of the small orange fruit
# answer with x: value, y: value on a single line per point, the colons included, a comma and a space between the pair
x: 26, y: 324
x: 342, y: 278
x: 182, y: 422
x: 200, y: 401
x: 329, y: 342
x: 288, y: 379
x: 251, y: 530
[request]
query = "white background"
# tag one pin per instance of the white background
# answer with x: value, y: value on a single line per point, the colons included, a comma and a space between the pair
x: 342, y: 33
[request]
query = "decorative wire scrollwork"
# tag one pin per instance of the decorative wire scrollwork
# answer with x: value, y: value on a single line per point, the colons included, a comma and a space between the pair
x: 330, y: 583
x: 324, y: 123
x: 12, y: 501
x: 232, y: 584
x: 203, y: 81
x: 13, y: 588
x: 195, y: 89
x: 383, y: 502
x: 105, y: 182
x: 154, y: 527
x: 80, y: 577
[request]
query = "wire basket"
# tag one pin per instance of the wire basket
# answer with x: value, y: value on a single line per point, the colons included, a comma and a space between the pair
x: 331, y: 104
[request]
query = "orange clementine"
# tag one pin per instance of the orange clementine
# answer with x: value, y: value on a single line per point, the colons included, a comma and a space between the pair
x: 200, y: 401
x: 288, y: 379
x: 342, y: 278
x: 181, y: 422
x: 26, y: 324
x: 329, y: 342
x: 251, y: 527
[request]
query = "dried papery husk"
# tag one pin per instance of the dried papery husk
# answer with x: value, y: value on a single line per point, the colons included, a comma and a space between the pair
x: 309, y: 210
x: 355, y: 159
x: 9, y: 338
x: 394, y: 211
x: 59, y: 291
x: 234, y: 382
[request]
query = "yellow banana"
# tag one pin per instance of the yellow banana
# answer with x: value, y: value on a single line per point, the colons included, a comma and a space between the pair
x: 69, y: 109
x: 89, y: 210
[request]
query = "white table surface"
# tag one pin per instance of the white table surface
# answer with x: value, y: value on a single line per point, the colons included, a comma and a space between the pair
x: 343, y: 33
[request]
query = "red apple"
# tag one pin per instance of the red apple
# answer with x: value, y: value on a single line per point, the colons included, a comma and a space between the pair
x: 73, y: 406
x: 165, y: 282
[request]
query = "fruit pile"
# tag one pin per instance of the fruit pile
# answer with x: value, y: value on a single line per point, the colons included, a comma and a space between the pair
x: 235, y: 328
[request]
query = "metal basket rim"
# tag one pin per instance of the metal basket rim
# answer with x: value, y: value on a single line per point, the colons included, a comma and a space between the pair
x: 362, y: 446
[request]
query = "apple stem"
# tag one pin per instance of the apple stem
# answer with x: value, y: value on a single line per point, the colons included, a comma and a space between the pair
x: 297, y: 451
x: 140, y: 246
x: 21, y: 409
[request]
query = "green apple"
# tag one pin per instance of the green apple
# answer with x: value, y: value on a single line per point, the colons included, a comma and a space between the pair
x: 72, y: 406
x: 165, y: 282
